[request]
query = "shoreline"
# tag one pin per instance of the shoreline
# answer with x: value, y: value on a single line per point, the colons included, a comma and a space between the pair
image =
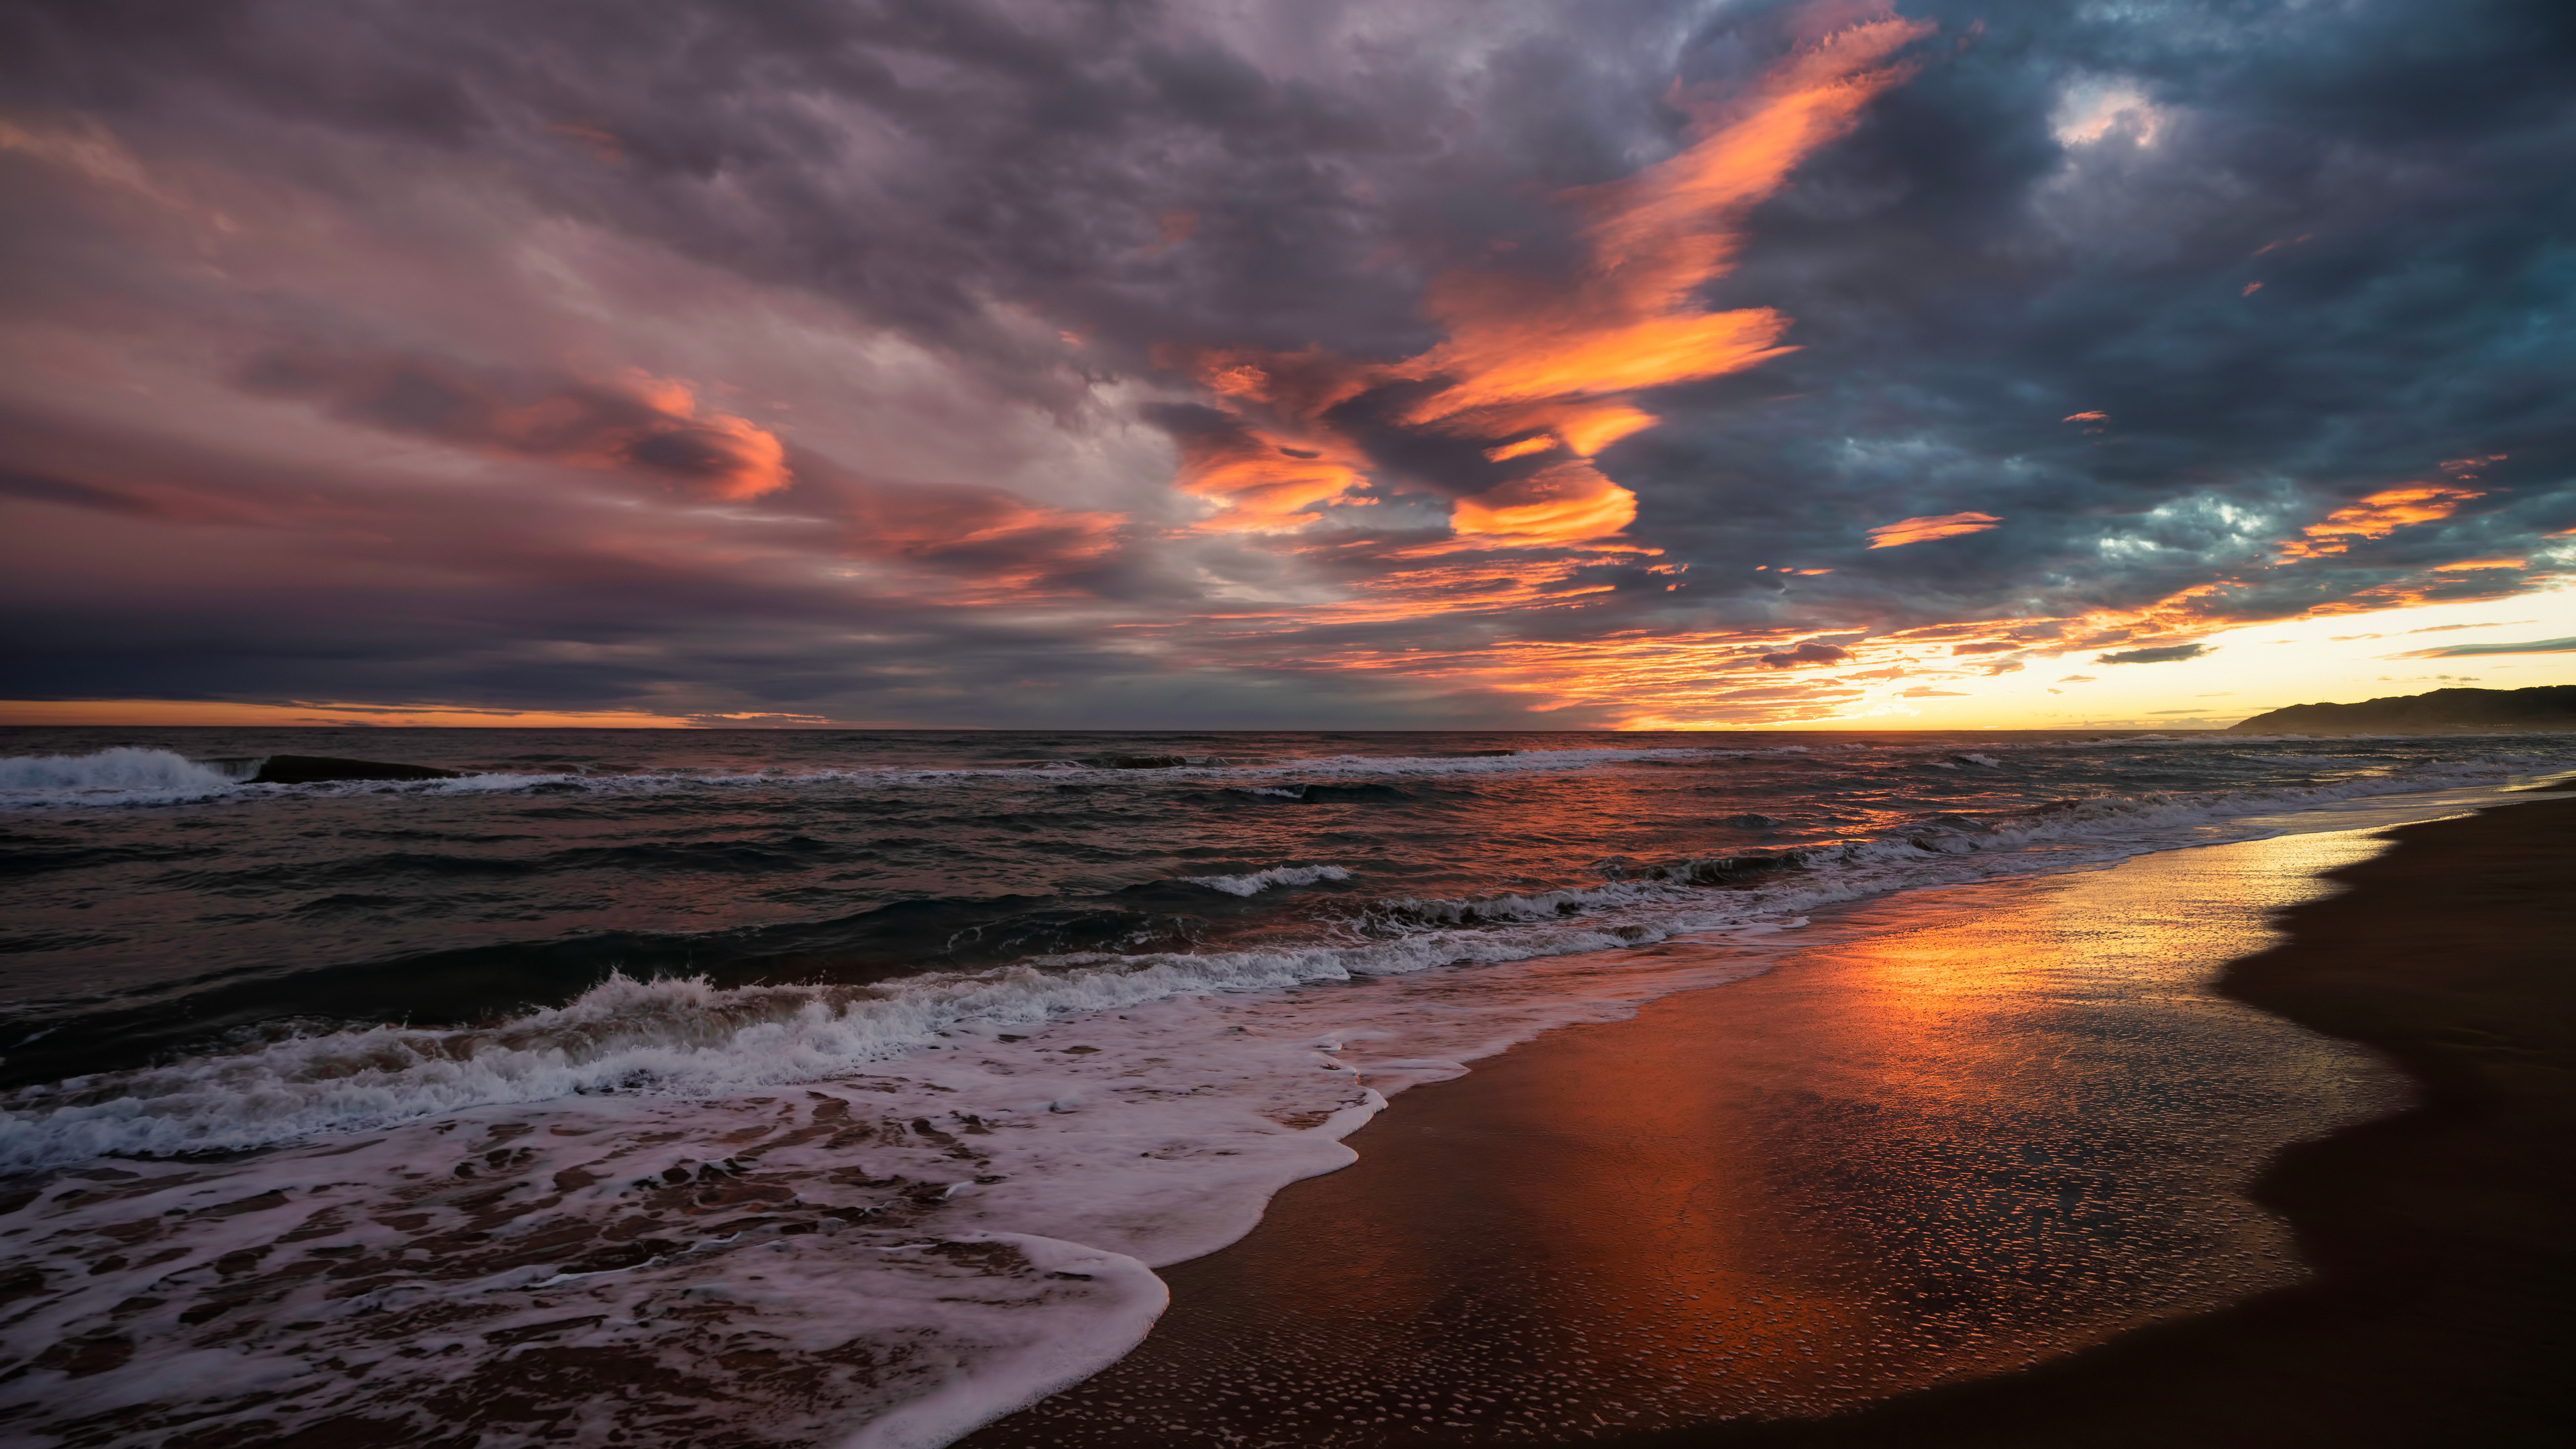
x: 1833, y: 1323
x: 1306, y: 1218
x: 2443, y: 1238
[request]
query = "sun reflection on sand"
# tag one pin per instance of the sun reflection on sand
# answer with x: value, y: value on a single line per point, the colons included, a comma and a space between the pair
x: 1957, y: 1132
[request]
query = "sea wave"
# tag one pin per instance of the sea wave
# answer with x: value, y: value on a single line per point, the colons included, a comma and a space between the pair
x: 999, y: 1197
x: 669, y: 1036
x: 2047, y: 836
x: 1253, y: 883
x: 124, y: 774
x: 137, y: 777
x: 688, y: 1037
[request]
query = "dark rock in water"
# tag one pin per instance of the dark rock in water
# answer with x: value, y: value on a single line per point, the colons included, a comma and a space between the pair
x: 1750, y: 821
x: 321, y: 769
x: 2547, y: 707
x: 1146, y: 762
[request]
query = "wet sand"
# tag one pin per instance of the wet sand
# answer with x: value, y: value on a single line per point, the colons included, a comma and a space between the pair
x: 1972, y: 1176
x: 2444, y: 1239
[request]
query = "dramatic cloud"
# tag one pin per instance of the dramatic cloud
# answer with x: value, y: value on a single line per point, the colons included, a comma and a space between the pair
x: 1542, y: 364
x: 650, y: 426
x: 1809, y: 653
x: 2378, y: 516
x: 1296, y: 362
x: 2166, y: 655
x: 2456, y: 651
x: 1924, y: 530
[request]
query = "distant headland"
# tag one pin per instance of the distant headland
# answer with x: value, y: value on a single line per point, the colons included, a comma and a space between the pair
x: 2548, y: 707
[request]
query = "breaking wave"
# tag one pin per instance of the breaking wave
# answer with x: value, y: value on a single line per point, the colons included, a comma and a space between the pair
x: 121, y: 774
x: 689, y: 1038
x: 1255, y: 882
x: 138, y: 776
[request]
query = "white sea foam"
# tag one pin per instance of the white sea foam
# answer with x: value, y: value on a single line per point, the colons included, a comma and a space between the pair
x: 157, y: 777
x: 124, y: 775
x: 1249, y: 778
x: 95, y: 783
x: 972, y: 1225
x: 1254, y: 883
x: 958, y: 1182
x: 685, y: 1037
x: 672, y: 1037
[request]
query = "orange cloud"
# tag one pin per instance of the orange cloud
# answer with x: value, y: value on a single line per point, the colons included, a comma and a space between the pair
x: 1923, y: 530
x: 717, y: 454
x: 981, y: 546
x: 634, y: 423
x: 1653, y: 241
x: 1643, y: 680
x: 1589, y: 429
x: 1265, y: 485
x: 727, y: 457
x: 1523, y: 350
x: 1530, y: 358
x: 1581, y: 428
x: 2378, y: 516
x: 1563, y: 504
x: 1536, y: 443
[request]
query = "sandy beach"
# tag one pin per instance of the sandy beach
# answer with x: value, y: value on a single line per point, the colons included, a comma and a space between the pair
x: 2444, y: 1239
x: 1961, y: 1176
x: 1698, y: 1142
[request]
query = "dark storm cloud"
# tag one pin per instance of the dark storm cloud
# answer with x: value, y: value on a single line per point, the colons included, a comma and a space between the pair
x: 2459, y: 651
x: 653, y: 428
x: 1149, y: 173
x: 1810, y: 653
x: 2003, y: 308
x: 819, y: 356
x: 2168, y: 654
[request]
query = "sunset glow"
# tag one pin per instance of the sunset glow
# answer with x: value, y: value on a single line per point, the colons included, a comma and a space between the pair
x: 1924, y: 530
x: 793, y: 722
x: 1412, y: 390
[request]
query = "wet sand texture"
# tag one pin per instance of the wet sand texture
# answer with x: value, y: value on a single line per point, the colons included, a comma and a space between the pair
x: 1968, y: 1130
x: 2444, y: 1238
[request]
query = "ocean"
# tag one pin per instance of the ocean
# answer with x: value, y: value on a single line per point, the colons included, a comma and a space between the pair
x: 803, y: 1084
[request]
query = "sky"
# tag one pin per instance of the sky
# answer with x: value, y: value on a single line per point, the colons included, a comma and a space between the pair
x: 1282, y: 364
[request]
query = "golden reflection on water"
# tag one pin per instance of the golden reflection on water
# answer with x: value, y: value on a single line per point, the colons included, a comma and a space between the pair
x: 1960, y: 1131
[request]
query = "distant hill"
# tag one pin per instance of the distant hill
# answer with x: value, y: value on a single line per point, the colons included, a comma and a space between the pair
x: 2549, y: 707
